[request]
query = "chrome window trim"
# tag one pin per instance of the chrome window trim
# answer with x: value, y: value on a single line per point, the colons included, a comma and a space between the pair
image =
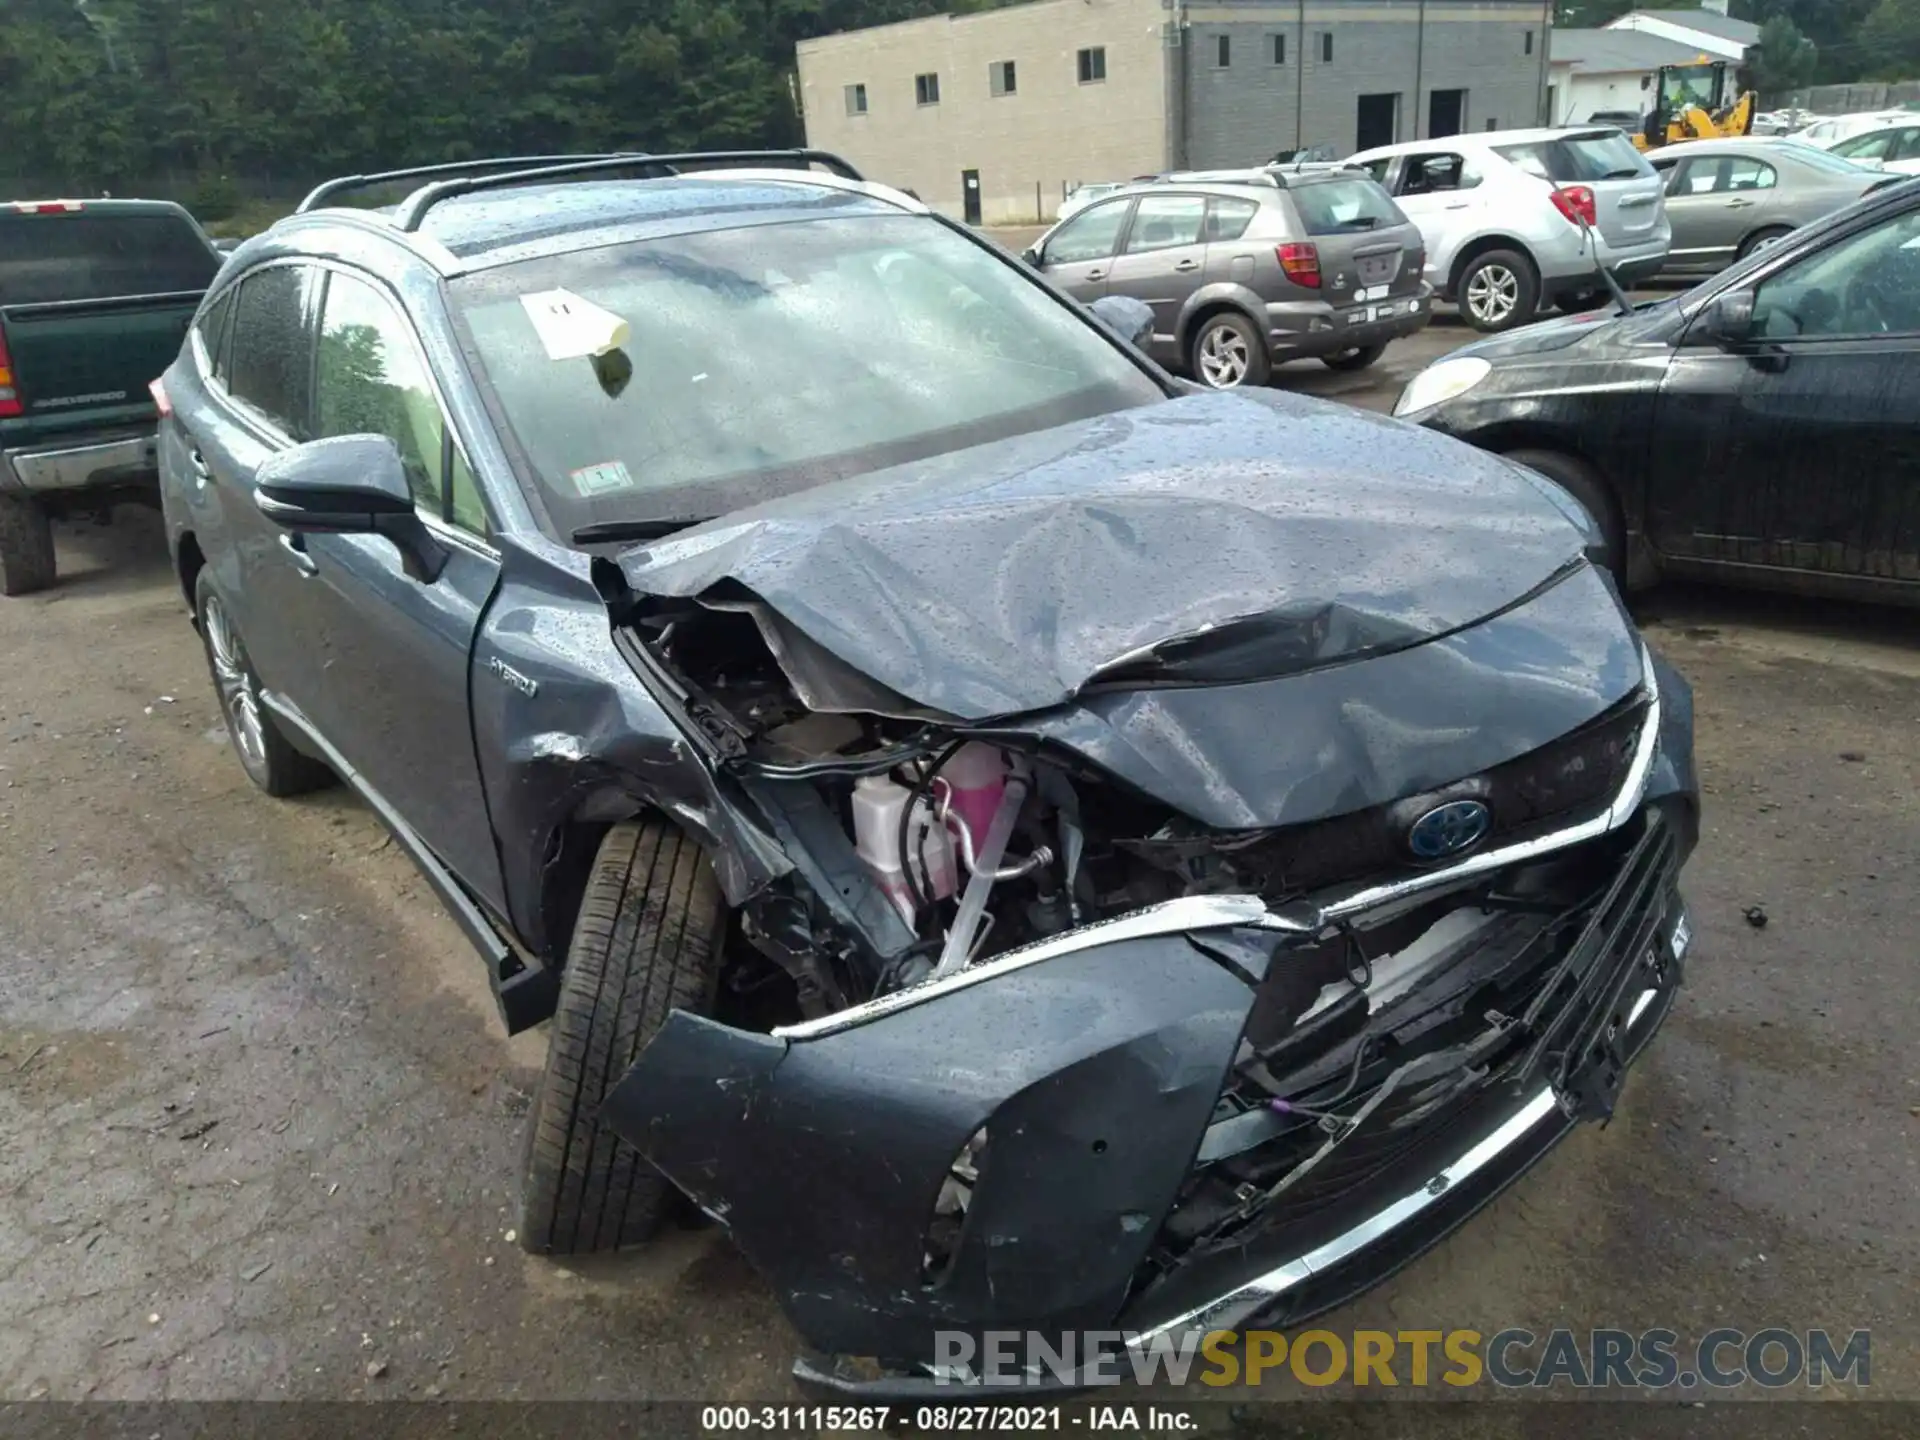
x: 1308, y: 917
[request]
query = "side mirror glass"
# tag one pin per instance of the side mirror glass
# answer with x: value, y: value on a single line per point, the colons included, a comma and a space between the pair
x: 1729, y: 320
x: 1130, y: 319
x: 351, y: 485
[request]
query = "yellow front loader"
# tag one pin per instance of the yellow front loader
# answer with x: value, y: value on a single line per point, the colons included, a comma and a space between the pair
x: 1690, y: 102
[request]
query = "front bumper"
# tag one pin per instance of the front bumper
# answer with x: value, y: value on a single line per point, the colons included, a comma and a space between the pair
x: 1105, y: 1070
x: 1303, y: 330
x: 115, y: 461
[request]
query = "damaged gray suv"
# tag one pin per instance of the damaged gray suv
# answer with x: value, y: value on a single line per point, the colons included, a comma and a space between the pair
x: 1023, y: 844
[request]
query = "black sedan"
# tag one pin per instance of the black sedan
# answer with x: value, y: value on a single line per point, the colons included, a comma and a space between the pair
x: 1762, y: 429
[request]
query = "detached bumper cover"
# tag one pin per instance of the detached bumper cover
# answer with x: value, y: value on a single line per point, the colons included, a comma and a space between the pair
x: 1096, y: 1073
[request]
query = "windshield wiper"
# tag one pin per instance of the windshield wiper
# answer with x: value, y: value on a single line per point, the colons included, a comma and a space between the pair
x: 602, y: 532
x: 1621, y: 175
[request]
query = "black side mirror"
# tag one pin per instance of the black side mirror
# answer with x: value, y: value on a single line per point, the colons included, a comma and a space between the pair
x: 1031, y: 255
x: 352, y: 485
x: 1729, y: 319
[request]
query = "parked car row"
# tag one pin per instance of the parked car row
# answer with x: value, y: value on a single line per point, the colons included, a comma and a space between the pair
x: 791, y: 723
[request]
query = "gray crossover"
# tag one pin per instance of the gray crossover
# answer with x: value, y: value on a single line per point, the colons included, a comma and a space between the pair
x: 1022, y: 841
x: 1246, y: 269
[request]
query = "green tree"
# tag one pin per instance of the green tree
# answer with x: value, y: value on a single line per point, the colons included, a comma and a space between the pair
x: 1891, y: 36
x: 1784, y: 60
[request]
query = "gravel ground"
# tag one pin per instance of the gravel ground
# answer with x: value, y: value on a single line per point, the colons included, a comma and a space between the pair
x: 260, y: 1127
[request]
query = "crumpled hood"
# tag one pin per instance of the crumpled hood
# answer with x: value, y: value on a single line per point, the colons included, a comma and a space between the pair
x: 1002, y: 579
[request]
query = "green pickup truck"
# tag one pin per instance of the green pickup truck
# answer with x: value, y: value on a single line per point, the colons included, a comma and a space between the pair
x: 95, y: 299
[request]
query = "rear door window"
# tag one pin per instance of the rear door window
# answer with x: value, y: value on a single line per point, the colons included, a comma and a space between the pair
x: 1434, y: 174
x: 1345, y: 205
x: 270, y: 352
x: 1164, y: 222
x: 81, y: 256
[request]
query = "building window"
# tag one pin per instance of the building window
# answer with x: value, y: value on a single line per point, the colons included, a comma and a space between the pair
x: 1279, y: 49
x: 1223, y: 51
x: 926, y: 89
x: 1326, y: 47
x: 856, y: 99
x: 1001, y: 77
x: 1093, y: 65
x: 1529, y: 42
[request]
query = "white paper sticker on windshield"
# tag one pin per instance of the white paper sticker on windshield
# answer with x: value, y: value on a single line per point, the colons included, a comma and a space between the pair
x: 599, y: 479
x: 573, y: 328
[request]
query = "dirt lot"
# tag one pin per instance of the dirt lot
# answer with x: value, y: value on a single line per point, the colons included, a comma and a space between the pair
x: 260, y: 1127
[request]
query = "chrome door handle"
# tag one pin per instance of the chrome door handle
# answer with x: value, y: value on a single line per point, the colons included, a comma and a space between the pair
x: 1187, y: 267
x: 297, y: 552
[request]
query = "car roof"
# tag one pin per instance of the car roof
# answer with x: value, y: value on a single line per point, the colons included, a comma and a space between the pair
x: 1485, y: 139
x: 502, y: 225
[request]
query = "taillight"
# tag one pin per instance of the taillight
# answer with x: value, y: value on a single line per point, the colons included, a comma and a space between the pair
x: 10, y: 405
x: 1301, y: 263
x: 158, y: 389
x: 48, y: 207
x: 1577, y: 204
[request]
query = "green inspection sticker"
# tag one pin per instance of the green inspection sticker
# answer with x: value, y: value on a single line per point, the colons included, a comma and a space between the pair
x: 599, y: 479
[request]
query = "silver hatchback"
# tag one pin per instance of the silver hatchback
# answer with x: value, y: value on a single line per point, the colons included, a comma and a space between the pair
x: 1247, y: 269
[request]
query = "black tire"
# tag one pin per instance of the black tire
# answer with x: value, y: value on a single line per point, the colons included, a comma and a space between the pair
x: 647, y: 943
x: 1508, y: 273
x: 26, y: 546
x: 1584, y: 483
x: 1246, y: 342
x: 1356, y: 359
x: 1760, y: 239
x: 269, y: 759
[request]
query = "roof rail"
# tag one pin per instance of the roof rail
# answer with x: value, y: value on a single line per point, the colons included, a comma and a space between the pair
x: 414, y: 210
x: 324, y: 193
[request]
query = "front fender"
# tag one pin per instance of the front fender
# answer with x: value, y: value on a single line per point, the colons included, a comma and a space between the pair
x: 1093, y: 1074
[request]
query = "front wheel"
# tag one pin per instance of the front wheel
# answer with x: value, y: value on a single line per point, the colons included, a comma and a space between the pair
x: 647, y: 943
x: 1584, y: 483
x: 1358, y: 358
x: 1761, y: 239
x: 1499, y: 290
x: 1227, y: 352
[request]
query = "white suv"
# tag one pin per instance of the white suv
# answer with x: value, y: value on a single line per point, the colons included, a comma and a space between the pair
x: 1518, y: 219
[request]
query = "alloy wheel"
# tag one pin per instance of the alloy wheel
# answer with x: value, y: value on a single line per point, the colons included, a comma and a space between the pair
x: 1224, y: 357
x: 1492, y: 294
x: 239, y: 696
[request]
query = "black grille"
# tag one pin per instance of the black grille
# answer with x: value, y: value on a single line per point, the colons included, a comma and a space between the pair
x: 1554, y: 783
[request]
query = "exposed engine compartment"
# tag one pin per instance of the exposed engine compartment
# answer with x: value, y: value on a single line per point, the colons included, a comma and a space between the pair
x: 923, y: 844
x: 972, y: 841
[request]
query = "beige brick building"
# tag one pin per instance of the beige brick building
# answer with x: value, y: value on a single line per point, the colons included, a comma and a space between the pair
x: 1012, y: 107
